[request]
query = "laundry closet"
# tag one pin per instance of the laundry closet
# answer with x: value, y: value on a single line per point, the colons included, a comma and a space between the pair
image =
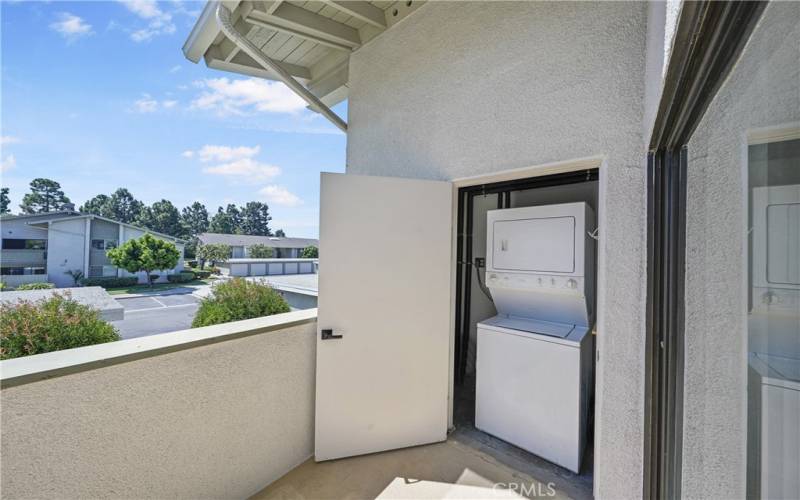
x: 525, y: 316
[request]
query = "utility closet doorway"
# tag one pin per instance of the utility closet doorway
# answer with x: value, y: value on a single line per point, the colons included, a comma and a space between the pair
x: 474, y: 304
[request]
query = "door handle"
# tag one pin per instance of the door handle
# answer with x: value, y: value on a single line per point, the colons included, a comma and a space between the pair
x: 327, y: 334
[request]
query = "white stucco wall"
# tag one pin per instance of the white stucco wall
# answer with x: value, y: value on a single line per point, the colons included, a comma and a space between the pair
x: 66, y: 250
x: 11, y: 228
x: 475, y: 88
x: 762, y: 91
x: 215, y: 421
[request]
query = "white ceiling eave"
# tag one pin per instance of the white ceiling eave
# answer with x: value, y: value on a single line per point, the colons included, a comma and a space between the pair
x: 310, y: 41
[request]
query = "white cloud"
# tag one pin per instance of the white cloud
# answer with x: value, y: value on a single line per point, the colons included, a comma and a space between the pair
x: 245, y: 167
x: 175, y: 68
x: 148, y: 104
x: 9, y: 139
x: 279, y: 195
x: 226, y: 153
x: 158, y: 21
x: 145, y: 105
x: 7, y: 163
x: 71, y: 26
x: 145, y: 9
x: 234, y: 162
x: 238, y: 97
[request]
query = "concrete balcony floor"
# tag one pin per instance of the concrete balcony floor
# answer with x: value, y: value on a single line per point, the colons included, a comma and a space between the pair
x: 469, y: 465
x: 451, y: 469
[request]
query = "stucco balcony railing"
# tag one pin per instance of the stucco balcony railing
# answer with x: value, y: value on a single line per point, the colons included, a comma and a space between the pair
x: 214, y: 412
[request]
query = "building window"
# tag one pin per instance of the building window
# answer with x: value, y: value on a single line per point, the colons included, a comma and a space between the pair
x: 21, y: 271
x: 100, y: 244
x: 102, y: 271
x: 23, y: 244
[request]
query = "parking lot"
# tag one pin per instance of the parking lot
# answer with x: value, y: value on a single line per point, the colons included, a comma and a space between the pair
x: 156, y: 314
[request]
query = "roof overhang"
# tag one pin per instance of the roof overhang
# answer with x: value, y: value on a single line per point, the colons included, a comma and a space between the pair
x: 44, y: 224
x: 310, y: 41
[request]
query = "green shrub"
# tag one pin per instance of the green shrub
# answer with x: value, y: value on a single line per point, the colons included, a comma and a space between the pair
x: 181, y: 278
x: 2, y: 286
x: 50, y: 325
x: 111, y: 282
x: 239, y: 299
x: 259, y: 251
x: 215, y: 270
x: 203, y: 274
x: 36, y: 286
x: 310, y: 252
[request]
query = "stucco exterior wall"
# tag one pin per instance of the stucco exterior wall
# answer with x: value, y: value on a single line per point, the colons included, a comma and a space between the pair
x: 66, y: 250
x: 216, y: 421
x: 479, y: 88
x: 11, y: 228
x: 19, y: 229
x: 762, y: 91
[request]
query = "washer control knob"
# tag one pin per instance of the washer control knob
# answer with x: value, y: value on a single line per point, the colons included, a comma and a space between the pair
x: 571, y: 283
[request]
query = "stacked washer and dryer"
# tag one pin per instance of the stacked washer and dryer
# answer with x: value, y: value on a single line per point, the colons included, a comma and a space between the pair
x: 534, y: 358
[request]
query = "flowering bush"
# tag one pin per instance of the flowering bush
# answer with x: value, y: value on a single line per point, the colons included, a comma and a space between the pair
x: 49, y: 325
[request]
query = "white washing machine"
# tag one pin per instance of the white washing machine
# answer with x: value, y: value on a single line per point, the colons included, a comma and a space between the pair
x: 534, y: 359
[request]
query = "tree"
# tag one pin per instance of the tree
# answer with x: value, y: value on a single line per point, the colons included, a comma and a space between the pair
x: 124, y: 207
x: 280, y: 234
x: 259, y: 251
x: 214, y: 253
x: 45, y: 196
x: 221, y: 223
x: 162, y: 217
x: 99, y: 205
x: 255, y: 219
x: 195, y: 219
x: 4, y: 201
x: 235, y: 216
x: 310, y: 252
x: 145, y: 254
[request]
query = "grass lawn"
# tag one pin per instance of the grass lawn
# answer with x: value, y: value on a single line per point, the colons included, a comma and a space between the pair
x: 160, y: 287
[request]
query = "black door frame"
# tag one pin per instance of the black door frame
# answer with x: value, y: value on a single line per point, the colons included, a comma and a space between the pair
x: 709, y: 38
x: 464, y: 261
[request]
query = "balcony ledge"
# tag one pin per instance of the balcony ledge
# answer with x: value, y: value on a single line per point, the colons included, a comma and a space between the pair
x: 24, y: 370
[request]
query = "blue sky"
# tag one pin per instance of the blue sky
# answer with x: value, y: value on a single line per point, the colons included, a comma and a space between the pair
x: 98, y: 95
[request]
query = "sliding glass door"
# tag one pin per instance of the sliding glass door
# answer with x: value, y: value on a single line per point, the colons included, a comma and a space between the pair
x: 724, y: 329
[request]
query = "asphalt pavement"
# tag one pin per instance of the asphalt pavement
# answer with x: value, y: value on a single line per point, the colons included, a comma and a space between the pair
x: 156, y: 314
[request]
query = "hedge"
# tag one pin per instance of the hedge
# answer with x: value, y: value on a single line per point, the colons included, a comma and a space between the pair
x: 183, y: 277
x: 111, y: 282
x: 36, y: 286
x: 52, y: 324
x: 239, y: 299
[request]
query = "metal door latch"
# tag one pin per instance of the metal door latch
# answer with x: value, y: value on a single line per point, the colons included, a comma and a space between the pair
x: 327, y: 334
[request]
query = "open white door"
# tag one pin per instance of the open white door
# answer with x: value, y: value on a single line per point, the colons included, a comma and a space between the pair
x: 384, y: 286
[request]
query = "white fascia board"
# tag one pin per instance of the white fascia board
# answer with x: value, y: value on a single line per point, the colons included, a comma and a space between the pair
x: 244, y: 64
x: 205, y: 31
